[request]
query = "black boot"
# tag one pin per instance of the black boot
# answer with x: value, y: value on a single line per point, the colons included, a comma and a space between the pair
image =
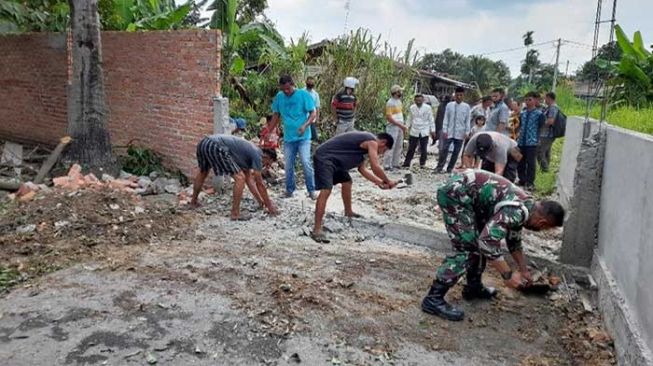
x: 435, y: 304
x: 474, y: 289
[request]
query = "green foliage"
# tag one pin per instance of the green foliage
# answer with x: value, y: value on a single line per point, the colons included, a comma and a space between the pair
x: 545, y: 183
x: 141, y: 161
x: 476, y: 70
x: 375, y: 64
x: 8, y: 278
x: 33, y: 16
x: 591, y: 71
x: 132, y: 15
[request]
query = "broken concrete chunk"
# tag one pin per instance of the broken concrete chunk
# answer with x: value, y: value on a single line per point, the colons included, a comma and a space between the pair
x: 124, y: 175
x: 26, y: 229
x: 150, y: 358
x: 61, y: 224
x: 107, y: 178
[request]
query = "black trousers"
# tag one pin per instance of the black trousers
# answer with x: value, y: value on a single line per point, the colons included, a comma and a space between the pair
x: 444, y: 152
x: 412, y: 146
x: 527, y: 165
x: 510, y: 171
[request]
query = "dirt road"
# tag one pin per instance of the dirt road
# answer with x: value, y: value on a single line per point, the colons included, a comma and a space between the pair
x: 262, y: 292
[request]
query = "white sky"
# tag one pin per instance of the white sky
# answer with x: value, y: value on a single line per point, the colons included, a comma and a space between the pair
x: 466, y: 26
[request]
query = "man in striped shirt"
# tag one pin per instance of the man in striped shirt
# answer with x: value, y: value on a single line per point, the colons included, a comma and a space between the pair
x: 343, y: 106
x: 240, y: 159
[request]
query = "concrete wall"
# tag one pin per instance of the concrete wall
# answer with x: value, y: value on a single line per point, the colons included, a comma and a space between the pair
x: 570, y: 149
x: 625, y: 237
x: 159, y: 88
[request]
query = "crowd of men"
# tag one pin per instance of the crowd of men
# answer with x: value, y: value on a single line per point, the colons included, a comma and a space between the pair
x: 481, y: 208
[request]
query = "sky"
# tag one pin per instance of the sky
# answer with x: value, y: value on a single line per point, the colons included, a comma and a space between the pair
x: 467, y: 26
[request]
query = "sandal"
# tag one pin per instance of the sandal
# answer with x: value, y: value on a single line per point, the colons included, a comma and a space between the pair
x: 354, y: 215
x: 320, y: 238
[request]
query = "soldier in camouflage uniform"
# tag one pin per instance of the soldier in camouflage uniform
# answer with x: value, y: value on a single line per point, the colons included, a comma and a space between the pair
x: 481, y: 210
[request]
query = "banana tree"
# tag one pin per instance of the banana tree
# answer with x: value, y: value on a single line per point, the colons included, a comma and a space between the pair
x: 133, y: 15
x: 633, y: 81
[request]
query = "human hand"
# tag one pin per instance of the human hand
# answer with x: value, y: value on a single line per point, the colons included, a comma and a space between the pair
x: 272, y: 210
x: 301, y: 130
x: 526, y: 274
x: 516, y: 281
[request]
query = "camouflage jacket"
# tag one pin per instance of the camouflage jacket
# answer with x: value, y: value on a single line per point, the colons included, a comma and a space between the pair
x: 501, y: 208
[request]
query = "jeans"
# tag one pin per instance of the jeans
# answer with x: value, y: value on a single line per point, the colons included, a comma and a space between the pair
x: 527, y: 166
x: 392, y: 158
x: 290, y: 150
x: 544, y: 152
x: 444, y: 152
x: 412, y: 146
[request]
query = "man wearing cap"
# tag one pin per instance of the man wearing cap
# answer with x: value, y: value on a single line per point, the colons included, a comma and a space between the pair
x: 343, y: 106
x: 499, y: 153
x: 394, y: 114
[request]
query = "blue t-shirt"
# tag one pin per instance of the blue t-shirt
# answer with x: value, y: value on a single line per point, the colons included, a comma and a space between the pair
x: 294, y: 111
x: 529, y: 129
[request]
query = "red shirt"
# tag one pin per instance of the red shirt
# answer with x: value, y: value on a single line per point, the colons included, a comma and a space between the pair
x: 269, y: 138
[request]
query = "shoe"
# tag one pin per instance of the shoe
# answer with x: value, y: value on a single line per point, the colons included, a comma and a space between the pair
x: 435, y: 304
x: 288, y: 195
x: 313, y: 195
x: 320, y: 238
x: 438, y: 171
x: 479, y: 291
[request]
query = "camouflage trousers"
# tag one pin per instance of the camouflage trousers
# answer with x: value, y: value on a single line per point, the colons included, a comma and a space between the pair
x: 463, y: 231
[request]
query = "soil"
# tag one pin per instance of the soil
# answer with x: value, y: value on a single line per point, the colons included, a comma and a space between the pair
x: 177, y: 287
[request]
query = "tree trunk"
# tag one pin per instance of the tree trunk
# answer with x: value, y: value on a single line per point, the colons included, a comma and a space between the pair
x: 87, y: 113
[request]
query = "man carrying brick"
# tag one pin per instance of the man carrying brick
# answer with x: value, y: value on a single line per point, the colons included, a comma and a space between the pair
x: 243, y: 161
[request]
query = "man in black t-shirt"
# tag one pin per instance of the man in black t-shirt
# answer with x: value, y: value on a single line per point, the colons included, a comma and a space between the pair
x: 332, y: 162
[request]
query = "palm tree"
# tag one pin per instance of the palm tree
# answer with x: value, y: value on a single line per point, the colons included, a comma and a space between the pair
x: 482, y: 71
x: 528, y: 41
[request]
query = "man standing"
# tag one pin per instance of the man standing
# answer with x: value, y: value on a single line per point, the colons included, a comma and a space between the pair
x: 439, y: 118
x: 310, y: 88
x: 394, y: 114
x: 422, y: 125
x: 546, y: 132
x: 499, y: 153
x: 333, y: 160
x: 531, y: 120
x: 480, y: 210
x: 455, y: 129
x: 498, y: 120
x: 343, y: 106
x: 297, y: 109
x: 243, y: 161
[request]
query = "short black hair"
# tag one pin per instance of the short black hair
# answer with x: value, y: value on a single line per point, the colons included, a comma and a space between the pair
x: 285, y: 79
x: 551, y: 95
x: 499, y: 90
x: 554, y: 211
x: 271, y: 153
x: 486, y: 98
x: 460, y: 89
x: 532, y: 94
x: 480, y: 116
x: 389, y: 140
x: 484, y: 144
x: 420, y: 95
x: 310, y: 78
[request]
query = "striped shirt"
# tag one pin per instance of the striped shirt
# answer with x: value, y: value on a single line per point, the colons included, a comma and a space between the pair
x: 345, y: 106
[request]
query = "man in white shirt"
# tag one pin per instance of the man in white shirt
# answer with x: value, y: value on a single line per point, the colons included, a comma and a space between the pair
x: 456, y: 126
x: 421, y: 124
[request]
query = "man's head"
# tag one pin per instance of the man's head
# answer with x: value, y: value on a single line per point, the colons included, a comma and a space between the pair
x: 310, y: 83
x: 419, y: 100
x: 286, y: 85
x: 550, y: 98
x: 350, y: 84
x: 269, y: 157
x: 498, y: 94
x: 385, y: 141
x: 484, y: 144
x: 545, y: 215
x: 532, y: 99
x: 486, y: 101
x: 459, y: 95
x: 396, y: 91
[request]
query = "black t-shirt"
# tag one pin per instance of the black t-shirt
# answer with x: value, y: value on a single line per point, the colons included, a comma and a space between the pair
x: 344, y: 150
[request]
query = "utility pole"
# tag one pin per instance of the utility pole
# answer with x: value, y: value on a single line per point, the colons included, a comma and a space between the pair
x: 555, y: 70
x: 567, y: 69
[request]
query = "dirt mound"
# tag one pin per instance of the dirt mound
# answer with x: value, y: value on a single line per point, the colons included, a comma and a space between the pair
x: 60, y: 227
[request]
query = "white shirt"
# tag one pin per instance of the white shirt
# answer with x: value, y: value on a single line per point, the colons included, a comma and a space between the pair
x: 457, y: 119
x: 421, y: 120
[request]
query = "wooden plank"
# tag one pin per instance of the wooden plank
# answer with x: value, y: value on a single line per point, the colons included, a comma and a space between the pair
x: 52, y: 159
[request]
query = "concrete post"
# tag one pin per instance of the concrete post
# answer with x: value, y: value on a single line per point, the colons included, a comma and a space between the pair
x: 581, y: 228
x: 220, y: 126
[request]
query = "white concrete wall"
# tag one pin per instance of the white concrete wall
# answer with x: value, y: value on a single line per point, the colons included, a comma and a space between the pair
x: 625, y: 238
x: 570, y: 149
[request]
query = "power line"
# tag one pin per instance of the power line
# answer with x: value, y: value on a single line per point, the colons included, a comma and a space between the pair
x: 515, y: 49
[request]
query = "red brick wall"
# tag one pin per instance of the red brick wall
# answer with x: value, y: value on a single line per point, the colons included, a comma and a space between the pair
x: 159, y: 89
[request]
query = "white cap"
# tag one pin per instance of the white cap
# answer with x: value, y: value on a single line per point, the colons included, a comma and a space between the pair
x: 350, y: 82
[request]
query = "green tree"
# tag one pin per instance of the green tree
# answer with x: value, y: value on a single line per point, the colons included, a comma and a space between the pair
x: 591, y: 71
x: 132, y: 15
x: 530, y: 61
x: 447, y: 62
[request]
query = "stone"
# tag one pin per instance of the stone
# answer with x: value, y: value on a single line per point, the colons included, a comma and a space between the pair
x: 107, y: 178
x: 154, y: 175
x: 26, y: 229
x: 61, y: 224
x: 27, y: 196
x: 144, y: 181
x: 124, y: 175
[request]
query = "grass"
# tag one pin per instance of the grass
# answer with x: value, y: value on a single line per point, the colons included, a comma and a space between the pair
x: 545, y: 183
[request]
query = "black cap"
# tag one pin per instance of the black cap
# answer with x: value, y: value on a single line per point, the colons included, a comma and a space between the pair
x: 484, y: 143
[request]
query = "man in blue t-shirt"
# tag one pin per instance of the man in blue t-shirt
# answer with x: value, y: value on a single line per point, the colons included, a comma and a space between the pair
x: 531, y: 122
x: 297, y: 110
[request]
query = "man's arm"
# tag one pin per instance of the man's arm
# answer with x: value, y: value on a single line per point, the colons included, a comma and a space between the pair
x: 275, y: 119
x: 468, y: 161
x: 308, y: 122
x: 263, y: 193
x: 251, y: 184
x: 372, y: 153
